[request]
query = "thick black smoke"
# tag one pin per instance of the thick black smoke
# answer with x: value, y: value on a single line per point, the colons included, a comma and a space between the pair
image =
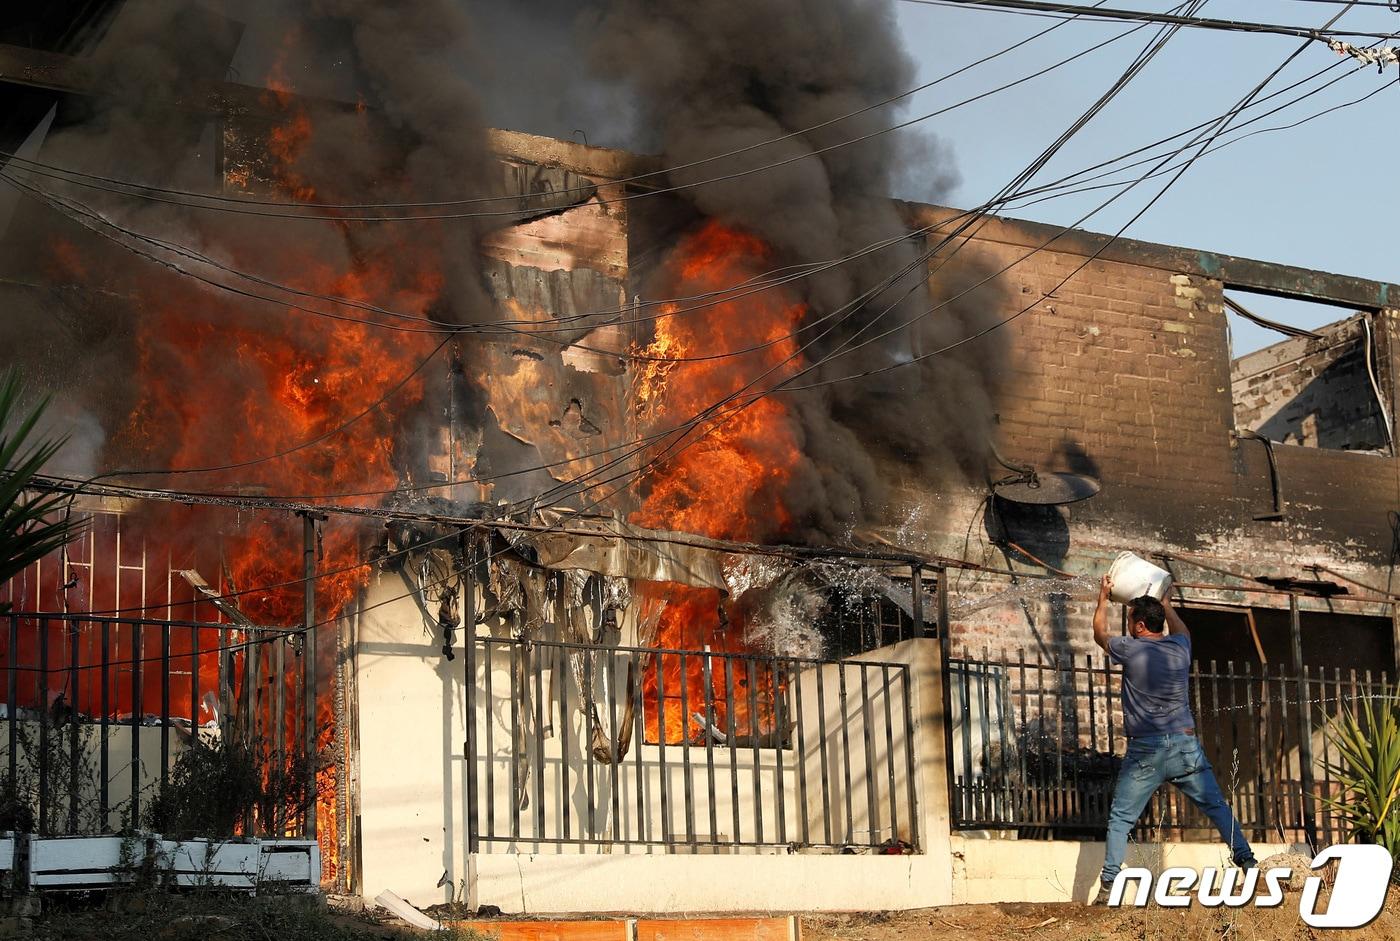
x: 394, y: 119
x: 713, y: 76
x: 690, y: 78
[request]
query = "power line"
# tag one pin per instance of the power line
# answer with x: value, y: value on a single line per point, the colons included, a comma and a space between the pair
x: 645, y: 194
x: 653, y: 437
x: 553, y: 193
x: 1142, y: 59
x: 1138, y: 16
x: 1221, y: 125
x: 666, y: 432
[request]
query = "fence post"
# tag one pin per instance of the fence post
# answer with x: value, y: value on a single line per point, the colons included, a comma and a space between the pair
x: 945, y: 647
x: 916, y: 604
x: 1305, y: 755
x: 308, y: 665
x: 468, y: 549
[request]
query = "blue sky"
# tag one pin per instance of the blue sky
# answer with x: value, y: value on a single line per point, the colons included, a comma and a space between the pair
x: 1320, y: 196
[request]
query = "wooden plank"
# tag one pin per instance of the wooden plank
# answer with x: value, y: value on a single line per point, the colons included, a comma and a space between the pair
x: 717, y: 929
x: 546, y: 930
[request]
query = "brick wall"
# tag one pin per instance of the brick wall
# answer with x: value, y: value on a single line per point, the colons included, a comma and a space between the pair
x: 1313, y: 392
x: 1124, y: 372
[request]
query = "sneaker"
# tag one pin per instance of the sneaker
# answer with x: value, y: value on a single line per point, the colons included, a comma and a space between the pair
x: 1247, y: 862
x: 1100, y: 899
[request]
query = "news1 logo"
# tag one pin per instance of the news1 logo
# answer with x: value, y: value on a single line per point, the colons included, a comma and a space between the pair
x: 1358, y: 892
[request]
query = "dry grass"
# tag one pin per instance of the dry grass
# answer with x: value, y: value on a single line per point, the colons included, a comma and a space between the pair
x: 1075, y: 922
x: 161, y: 916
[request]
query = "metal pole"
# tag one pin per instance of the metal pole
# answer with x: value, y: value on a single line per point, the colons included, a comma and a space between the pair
x: 469, y: 658
x: 1305, y: 755
x: 945, y: 647
x: 916, y: 607
x: 308, y: 663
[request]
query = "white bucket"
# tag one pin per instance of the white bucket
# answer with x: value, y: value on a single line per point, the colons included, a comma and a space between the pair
x: 1134, y: 577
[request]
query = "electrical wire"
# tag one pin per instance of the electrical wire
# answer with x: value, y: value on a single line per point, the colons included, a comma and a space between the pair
x: 541, y: 467
x: 1138, y: 16
x: 553, y: 193
x: 1221, y: 126
x: 427, y: 486
x: 1134, y: 68
x: 679, y: 187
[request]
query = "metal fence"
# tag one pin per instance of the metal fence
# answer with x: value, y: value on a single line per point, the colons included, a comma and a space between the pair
x: 1035, y: 746
x: 690, y: 751
x: 99, y: 709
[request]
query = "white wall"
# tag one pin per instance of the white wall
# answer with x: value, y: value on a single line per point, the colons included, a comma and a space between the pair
x: 411, y: 774
x: 413, y: 809
x: 1062, y: 870
x: 120, y: 768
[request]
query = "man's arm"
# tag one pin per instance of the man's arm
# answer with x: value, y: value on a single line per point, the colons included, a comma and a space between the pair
x: 1101, y: 613
x: 1174, y: 621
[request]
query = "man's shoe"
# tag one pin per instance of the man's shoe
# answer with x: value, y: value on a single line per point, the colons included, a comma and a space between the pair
x: 1100, y: 899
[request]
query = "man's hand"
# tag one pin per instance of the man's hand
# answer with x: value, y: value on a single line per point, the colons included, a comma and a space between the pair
x: 1101, y: 613
x: 1175, y: 624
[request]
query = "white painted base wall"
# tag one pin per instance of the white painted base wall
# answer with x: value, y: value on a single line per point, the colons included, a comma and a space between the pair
x: 548, y: 883
x: 413, y: 812
x: 983, y: 871
x: 1061, y: 870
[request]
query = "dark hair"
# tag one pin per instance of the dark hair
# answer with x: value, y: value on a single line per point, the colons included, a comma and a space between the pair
x: 1149, y: 611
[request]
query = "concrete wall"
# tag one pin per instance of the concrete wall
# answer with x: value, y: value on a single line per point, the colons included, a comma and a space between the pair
x: 412, y: 791
x: 1064, y: 871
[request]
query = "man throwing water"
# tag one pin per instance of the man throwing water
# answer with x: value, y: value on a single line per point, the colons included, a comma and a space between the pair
x: 1162, y: 743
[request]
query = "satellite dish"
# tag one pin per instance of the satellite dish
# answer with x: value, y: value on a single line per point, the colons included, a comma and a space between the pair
x: 1053, y: 489
x: 1046, y: 489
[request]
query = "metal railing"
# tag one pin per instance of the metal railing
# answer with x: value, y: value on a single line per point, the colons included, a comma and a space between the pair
x: 690, y: 751
x: 1036, y: 746
x: 99, y: 709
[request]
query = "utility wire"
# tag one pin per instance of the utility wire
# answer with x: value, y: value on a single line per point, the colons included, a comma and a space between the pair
x: 659, y: 191
x: 657, y: 436
x: 553, y: 193
x: 656, y: 461
x: 444, y: 484
x: 1138, y: 16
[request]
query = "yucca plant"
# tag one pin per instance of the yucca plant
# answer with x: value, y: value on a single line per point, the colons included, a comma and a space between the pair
x: 1366, y: 737
x: 31, y: 524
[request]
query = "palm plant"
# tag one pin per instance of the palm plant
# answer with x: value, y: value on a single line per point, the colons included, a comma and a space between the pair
x: 1367, y: 740
x: 31, y: 524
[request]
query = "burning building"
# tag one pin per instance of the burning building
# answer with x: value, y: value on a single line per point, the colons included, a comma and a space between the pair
x: 592, y: 558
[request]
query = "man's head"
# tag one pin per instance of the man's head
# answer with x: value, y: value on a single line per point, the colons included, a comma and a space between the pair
x: 1146, y: 616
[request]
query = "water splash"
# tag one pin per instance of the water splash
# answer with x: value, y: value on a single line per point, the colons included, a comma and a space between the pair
x: 1037, y: 590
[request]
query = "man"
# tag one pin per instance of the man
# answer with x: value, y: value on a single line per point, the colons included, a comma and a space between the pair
x: 1162, y: 743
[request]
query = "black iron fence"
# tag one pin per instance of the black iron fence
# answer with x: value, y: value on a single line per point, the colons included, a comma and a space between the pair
x: 689, y: 751
x: 1036, y: 746
x: 98, y: 710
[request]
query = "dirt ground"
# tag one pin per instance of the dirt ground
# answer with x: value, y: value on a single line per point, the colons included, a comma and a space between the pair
x: 1074, y: 922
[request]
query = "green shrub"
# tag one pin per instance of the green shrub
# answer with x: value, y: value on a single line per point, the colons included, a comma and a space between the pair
x: 224, y: 788
x: 1367, y: 741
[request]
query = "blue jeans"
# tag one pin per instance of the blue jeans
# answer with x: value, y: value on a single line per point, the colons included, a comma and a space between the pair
x: 1151, y: 761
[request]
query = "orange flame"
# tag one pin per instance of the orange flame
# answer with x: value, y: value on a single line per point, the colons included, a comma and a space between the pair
x: 227, y: 388
x: 729, y: 483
